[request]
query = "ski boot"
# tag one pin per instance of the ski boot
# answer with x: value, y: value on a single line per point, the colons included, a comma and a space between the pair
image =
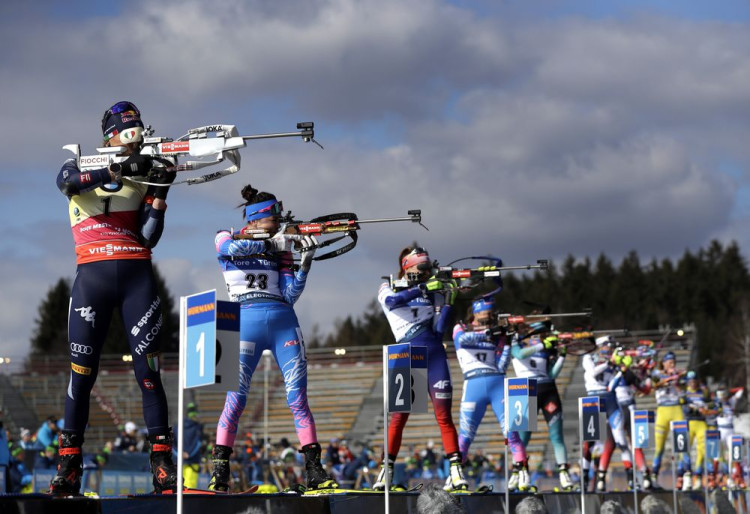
x: 629, y: 473
x: 379, y: 484
x: 601, y: 481
x: 524, y: 480
x: 519, y: 479
x: 514, y: 478
x: 687, y: 481
x: 649, y: 480
x: 317, y: 478
x: 67, y: 481
x: 162, y: 466
x: 456, y: 480
x: 566, y: 483
x: 697, y: 484
x: 220, y: 475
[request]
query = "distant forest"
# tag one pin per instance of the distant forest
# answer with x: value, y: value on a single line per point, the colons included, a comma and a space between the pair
x: 709, y: 288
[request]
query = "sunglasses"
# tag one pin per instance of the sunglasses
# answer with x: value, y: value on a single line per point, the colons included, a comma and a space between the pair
x: 273, y: 209
x: 119, y: 108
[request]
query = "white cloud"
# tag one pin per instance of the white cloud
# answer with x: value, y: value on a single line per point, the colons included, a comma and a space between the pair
x: 524, y: 138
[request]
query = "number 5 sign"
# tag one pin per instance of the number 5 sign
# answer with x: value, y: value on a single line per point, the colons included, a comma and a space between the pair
x: 680, y: 436
x: 520, y: 405
x: 642, y: 428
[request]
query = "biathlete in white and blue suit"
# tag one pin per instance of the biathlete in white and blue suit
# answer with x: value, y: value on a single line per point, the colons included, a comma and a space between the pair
x: 260, y: 276
x: 484, y: 355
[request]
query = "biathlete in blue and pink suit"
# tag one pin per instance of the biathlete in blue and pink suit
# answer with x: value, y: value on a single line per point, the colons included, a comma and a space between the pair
x: 260, y: 275
x: 484, y: 355
x: 417, y: 311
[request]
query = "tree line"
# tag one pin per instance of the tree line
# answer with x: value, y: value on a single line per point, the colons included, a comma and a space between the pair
x: 709, y: 287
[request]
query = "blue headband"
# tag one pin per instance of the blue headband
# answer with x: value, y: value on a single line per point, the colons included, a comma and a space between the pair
x: 481, y: 305
x: 257, y: 211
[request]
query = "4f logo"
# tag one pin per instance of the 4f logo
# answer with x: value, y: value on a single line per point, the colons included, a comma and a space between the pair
x: 441, y: 384
x: 88, y: 314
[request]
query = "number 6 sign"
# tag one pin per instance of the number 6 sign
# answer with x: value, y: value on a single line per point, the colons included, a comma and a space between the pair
x: 680, y: 440
x: 737, y: 443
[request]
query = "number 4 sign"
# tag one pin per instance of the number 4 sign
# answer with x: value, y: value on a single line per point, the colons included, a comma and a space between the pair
x: 680, y: 438
x: 588, y: 415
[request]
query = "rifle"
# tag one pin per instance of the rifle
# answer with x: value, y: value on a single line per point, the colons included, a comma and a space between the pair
x: 516, y: 319
x: 224, y: 144
x: 450, y: 273
x: 344, y: 223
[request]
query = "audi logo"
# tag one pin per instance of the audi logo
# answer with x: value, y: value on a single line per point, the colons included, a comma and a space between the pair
x: 81, y: 348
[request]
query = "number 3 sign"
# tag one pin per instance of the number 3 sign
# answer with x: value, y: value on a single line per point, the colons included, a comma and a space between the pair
x: 520, y: 405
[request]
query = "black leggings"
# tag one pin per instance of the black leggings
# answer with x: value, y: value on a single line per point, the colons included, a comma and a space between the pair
x: 99, y: 288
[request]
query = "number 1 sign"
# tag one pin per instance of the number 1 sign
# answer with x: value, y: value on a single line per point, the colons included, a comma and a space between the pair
x: 199, y: 348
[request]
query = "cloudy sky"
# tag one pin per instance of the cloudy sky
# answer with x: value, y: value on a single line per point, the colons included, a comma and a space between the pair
x: 523, y: 129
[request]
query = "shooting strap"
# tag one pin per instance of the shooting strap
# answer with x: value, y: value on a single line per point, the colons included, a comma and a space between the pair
x: 350, y: 233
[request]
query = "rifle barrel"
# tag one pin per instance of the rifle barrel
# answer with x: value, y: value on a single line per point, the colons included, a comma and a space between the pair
x: 383, y: 220
x: 302, y: 133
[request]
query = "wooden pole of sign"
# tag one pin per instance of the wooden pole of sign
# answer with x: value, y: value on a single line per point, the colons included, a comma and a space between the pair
x: 674, y: 484
x: 583, y: 480
x: 266, y: 371
x: 634, y: 441
x: 181, y: 398
x: 385, y: 430
x: 507, y: 489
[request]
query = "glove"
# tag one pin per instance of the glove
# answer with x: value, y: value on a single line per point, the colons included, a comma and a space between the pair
x: 432, y: 285
x: 550, y: 342
x: 281, y: 242
x: 562, y: 351
x: 136, y: 165
x: 451, y: 292
x: 308, y: 246
x: 626, y: 361
x: 162, y: 176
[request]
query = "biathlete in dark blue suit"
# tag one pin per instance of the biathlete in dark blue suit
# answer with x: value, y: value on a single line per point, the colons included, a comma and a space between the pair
x: 417, y: 309
x: 115, y: 224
